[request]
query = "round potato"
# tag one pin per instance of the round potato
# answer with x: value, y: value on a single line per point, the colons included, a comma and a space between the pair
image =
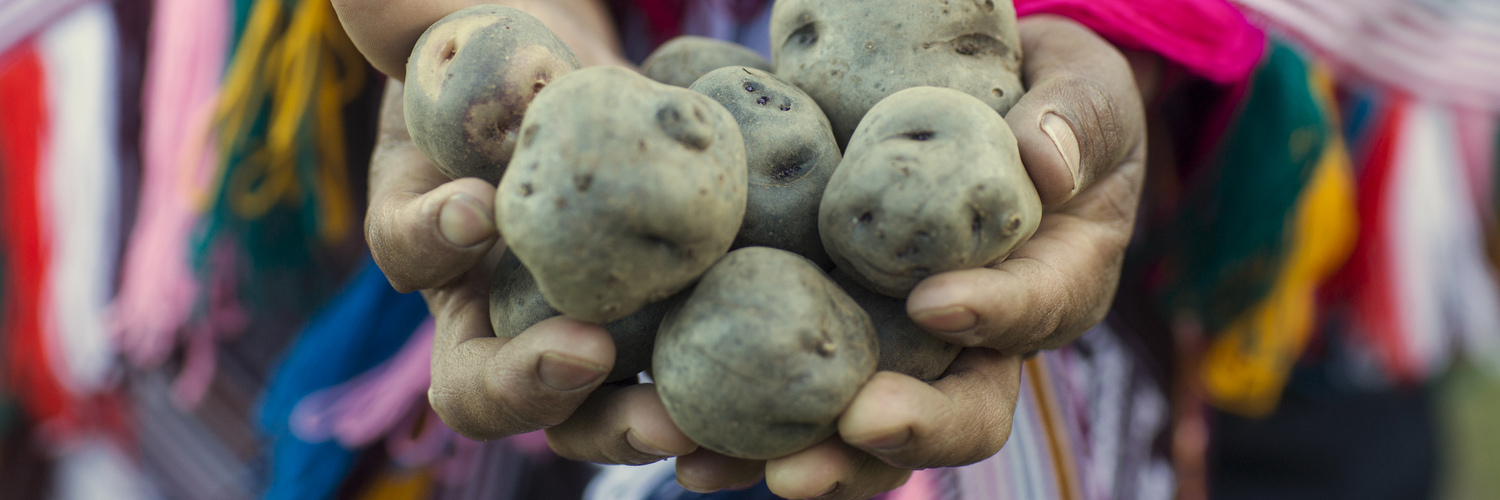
x: 932, y: 182
x: 469, y: 81
x: 790, y: 152
x: 905, y: 348
x: 622, y: 191
x: 683, y: 60
x: 763, y: 355
x: 850, y: 55
x: 516, y: 303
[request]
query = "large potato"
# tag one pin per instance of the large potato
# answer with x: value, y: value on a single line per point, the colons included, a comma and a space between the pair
x: 516, y: 303
x: 622, y: 191
x: 905, y: 348
x: 469, y: 81
x: 850, y: 55
x: 683, y: 60
x: 932, y: 182
x: 763, y: 355
x: 791, y: 154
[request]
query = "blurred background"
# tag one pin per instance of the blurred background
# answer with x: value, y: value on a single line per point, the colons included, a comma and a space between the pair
x: 189, y: 309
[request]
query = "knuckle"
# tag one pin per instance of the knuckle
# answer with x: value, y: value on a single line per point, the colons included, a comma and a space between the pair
x: 455, y: 412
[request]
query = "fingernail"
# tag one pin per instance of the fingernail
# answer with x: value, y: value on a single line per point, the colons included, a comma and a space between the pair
x: 888, y: 442
x: 830, y: 491
x: 954, y: 319
x: 565, y: 373
x: 641, y: 446
x: 463, y: 222
x: 693, y: 487
x: 1062, y: 136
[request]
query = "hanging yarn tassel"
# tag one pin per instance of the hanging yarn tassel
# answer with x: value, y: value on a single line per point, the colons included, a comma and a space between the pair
x: 23, y: 138
x: 360, y: 411
x: 80, y: 185
x: 158, y: 290
x: 366, y: 324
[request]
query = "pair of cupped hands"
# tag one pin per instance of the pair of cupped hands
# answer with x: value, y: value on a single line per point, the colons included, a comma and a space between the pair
x: 1081, y: 131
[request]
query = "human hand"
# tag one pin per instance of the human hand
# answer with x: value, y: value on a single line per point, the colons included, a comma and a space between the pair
x: 432, y: 234
x: 1050, y: 290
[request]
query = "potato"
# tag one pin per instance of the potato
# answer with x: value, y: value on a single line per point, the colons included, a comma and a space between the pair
x: 469, y: 81
x: 763, y: 355
x: 850, y: 55
x: 516, y: 304
x: 683, y: 60
x: 905, y: 348
x: 791, y: 154
x: 932, y: 182
x: 622, y: 191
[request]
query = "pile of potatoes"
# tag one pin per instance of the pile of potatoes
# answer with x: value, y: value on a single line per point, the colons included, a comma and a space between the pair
x: 698, y: 216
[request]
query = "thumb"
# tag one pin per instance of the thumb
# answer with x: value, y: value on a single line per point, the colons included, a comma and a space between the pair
x: 1081, y: 115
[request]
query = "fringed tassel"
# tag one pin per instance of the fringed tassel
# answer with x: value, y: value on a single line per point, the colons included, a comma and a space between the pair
x: 158, y: 290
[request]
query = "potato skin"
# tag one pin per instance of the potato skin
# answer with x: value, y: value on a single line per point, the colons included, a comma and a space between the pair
x: 622, y: 192
x: 516, y: 303
x: 763, y: 356
x: 905, y: 348
x: 469, y: 81
x: 790, y: 152
x: 932, y: 182
x: 683, y: 60
x: 850, y: 55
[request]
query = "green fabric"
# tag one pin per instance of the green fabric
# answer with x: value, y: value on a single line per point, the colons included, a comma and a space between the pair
x: 1228, y: 239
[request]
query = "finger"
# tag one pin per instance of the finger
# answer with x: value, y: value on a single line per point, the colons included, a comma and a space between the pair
x: 423, y: 229
x: 620, y: 425
x: 487, y: 388
x: 707, y: 471
x: 832, y: 470
x: 1081, y: 115
x: 1052, y: 288
x: 960, y: 419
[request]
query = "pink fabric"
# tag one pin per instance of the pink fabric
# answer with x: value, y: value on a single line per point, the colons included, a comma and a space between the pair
x: 1210, y: 38
x: 923, y: 485
x: 360, y: 411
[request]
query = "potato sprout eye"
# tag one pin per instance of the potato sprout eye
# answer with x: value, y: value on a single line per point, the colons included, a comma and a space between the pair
x: 763, y: 100
x: 749, y: 87
x: 786, y: 107
x: 919, y: 136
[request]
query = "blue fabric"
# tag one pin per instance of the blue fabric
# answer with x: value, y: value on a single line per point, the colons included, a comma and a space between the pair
x: 366, y: 324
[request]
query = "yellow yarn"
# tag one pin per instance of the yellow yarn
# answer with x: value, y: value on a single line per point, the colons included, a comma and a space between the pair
x: 1248, y: 365
x: 306, y: 74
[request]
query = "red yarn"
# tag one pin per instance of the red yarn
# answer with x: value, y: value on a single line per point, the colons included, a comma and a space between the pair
x: 23, y: 136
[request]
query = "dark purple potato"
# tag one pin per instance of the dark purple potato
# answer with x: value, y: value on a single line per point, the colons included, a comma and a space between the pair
x: 932, y: 182
x: 683, y: 60
x: 905, y: 348
x: 850, y: 55
x: 790, y: 152
x: 469, y: 81
x: 763, y: 356
x: 622, y: 192
x: 516, y: 304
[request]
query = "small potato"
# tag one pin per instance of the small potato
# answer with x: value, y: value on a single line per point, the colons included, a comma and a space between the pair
x: 850, y: 55
x: 791, y: 154
x: 622, y: 192
x: 763, y: 355
x: 683, y: 60
x: 932, y: 182
x: 905, y: 348
x: 516, y: 304
x: 469, y: 81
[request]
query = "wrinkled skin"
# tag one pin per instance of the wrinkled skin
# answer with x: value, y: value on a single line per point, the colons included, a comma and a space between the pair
x: 763, y: 356
x: 516, y: 304
x: 472, y: 76
x: 622, y: 192
x: 932, y: 182
x: 790, y: 152
x: 850, y: 55
x: 905, y: 348
x: 683, y: 60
